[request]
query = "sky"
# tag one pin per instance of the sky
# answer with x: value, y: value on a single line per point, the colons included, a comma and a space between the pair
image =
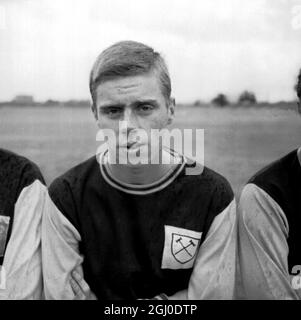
x: 47, y: 47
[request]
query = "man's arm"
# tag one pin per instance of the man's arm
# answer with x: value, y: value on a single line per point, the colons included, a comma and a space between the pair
x: 213, y: 275
x: 60, y: 255
x: 22, y: 265
x: 263, y: 250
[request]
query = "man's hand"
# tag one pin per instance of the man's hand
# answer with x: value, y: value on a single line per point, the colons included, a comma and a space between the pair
x: 80, y: 287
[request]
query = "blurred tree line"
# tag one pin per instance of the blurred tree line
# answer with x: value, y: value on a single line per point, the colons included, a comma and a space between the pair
x: 246, y: 98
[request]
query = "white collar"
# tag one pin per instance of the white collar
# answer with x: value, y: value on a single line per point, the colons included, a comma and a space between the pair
x: 142, y: 189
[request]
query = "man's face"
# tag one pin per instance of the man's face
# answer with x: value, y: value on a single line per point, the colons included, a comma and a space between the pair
x: 128, y: 104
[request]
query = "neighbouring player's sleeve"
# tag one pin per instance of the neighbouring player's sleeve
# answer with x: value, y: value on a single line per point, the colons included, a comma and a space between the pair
x: 262, y: 247
x: 60, y: 251
x: 22, y: 266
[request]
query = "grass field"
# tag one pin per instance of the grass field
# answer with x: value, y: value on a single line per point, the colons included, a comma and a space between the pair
x: 238, y: 142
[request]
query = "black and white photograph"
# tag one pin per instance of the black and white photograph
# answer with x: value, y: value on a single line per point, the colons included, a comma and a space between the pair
x: 150, y: 151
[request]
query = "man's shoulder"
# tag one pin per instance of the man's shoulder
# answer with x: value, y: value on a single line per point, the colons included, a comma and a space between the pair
x: 211, y: 187
x: 74, y: 177
x: 211, y: 193
x: 217, y: 179
x: 208, y: 178
x: 14, y: 167
x: 222, y: 194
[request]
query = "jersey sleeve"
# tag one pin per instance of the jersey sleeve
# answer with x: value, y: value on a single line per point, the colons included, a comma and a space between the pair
x: 60, y: 247
x: 262, y: 232
x: 22, y: 265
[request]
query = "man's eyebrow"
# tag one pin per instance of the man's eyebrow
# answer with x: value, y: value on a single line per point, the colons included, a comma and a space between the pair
x: 135, y: 103
x: 111, y: 105
x: 146, y: 101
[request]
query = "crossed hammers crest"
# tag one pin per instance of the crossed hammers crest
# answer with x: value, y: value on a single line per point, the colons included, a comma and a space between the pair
x: 191, y: 243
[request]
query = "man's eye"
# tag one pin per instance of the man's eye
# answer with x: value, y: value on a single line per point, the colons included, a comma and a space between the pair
x: 145, y: 107
x: 112, y: 112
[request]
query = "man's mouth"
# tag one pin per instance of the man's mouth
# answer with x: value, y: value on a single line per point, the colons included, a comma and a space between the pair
x: 132, y: 145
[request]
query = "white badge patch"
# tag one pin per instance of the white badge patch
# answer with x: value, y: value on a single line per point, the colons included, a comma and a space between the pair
x: 4, y: 224
x: 180, y: 248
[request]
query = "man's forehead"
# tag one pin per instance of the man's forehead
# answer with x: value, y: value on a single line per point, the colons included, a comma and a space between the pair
x: 148, y: 79
x: 142, y: 87
x: 127, y: 86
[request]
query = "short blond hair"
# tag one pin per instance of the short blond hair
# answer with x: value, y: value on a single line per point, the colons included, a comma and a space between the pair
x: 129, y: 58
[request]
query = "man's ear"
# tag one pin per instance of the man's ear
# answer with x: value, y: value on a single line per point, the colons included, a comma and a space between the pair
x: 171, y: 110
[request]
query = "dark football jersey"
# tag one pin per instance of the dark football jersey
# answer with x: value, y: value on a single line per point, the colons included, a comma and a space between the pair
x: 281, y: 180
x: 138, y: 241
x: 16, y: 173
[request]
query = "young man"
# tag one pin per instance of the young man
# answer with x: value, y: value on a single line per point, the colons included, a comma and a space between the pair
x: 22, y: 196
x: 138, y: 231
x: 269, y: 235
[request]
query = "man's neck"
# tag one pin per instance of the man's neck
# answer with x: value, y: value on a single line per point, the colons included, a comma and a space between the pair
x: 299, y: 155
x: 141, y: 174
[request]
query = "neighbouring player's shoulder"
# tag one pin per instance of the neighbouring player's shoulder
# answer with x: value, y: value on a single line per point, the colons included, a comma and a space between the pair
x: 66, y: 191
x: 16, y: 169
x: 279, y: 176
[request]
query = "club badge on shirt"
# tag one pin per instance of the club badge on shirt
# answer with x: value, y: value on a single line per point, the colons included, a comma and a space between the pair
x: 180, y: 248
x: 4, y: 224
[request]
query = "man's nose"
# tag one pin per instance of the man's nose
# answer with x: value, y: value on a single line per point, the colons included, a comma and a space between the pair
x: 130, y: 119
